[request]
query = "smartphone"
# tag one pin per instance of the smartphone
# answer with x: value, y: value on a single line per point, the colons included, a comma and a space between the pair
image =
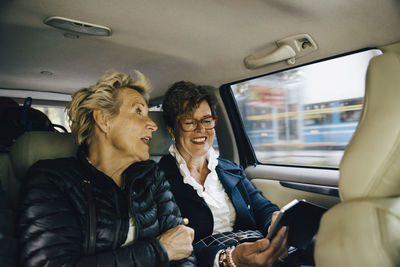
x: 283, y: 219
x: 302, y: 218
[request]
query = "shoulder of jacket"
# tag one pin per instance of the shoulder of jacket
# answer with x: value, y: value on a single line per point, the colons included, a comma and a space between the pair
x: 141, y: 168
x: 145, y: 171
x: 166, y: 161
x: 53, y: 169
x: 145, y: 164
x: 168, y: 165
x: 54, y: 165
x: 228, y: 165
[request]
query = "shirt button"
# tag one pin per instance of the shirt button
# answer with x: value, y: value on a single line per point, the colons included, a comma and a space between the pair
x: 248, y: 207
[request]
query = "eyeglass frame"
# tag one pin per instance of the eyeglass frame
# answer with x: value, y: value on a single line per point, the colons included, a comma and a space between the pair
x: 214, y: 117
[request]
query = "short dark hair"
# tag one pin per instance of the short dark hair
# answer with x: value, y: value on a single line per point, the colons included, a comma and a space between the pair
x: 182, y: 98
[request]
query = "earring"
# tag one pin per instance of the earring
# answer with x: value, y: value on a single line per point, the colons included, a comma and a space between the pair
x: 173, y: 139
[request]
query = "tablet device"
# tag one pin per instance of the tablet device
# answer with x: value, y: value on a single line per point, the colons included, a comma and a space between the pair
x: 302, y: 218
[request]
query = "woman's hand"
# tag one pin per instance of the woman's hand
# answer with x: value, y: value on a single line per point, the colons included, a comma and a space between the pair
x: 273, y: 218
x: 178, y: 242
x: 261, y: 252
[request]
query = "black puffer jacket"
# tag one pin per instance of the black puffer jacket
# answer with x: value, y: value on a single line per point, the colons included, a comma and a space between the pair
x: 53, y: 221
x: 8, y: 242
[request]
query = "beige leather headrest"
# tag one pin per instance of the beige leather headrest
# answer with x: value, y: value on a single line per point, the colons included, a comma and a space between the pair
x: 370, y: 166
x: 34, y: 146
x: 161, y: 138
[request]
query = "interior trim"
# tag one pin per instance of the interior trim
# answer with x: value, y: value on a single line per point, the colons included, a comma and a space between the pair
x: 319, y: 189
x: 325, y: 177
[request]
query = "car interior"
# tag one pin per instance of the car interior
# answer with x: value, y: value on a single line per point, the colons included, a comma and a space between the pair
x: 307, y: 95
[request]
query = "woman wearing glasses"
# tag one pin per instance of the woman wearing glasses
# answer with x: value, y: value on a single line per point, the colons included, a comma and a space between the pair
x: 213, y: 193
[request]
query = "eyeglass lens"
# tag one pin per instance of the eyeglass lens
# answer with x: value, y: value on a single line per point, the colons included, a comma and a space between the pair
x: 190, y: 124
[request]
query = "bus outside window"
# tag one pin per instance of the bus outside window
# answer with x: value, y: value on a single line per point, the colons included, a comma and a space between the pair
x: 307, y: 115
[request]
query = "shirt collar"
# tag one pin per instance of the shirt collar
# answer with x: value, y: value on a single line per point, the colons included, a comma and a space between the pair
x: 184, y: 170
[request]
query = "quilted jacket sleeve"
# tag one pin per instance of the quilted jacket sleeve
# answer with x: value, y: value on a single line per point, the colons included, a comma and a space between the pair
x: 169, y: 214
x: 51, y: 234
x: 8, y: 243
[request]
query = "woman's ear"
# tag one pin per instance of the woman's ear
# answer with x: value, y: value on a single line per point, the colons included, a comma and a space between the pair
x: 101, y: 119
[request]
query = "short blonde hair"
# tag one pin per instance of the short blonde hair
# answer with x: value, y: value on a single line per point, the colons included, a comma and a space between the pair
x: 103, y: 95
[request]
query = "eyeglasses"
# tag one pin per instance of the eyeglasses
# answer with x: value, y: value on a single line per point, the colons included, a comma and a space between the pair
x: 190, y: 124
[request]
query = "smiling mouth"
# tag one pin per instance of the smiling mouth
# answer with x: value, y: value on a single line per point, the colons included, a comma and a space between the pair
x: 199, y: 140
x: 146, y: 140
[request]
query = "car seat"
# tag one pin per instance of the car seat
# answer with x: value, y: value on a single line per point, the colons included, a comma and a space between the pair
x: 161, y: 139
x: 364, y: 229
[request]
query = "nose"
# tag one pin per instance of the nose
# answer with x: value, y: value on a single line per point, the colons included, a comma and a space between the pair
x: 151, y: 125
x: 199, y: 126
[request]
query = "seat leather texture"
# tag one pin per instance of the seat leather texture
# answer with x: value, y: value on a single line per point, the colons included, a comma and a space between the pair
x: 364, y: 229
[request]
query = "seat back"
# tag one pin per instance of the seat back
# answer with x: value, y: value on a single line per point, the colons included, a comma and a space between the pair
x: 161, y: 139
x: 6, y: 171
x: 363, y: 230
x: 33, y: 146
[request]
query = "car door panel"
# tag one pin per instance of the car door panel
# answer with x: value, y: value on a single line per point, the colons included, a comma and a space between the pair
x: 283, y: 184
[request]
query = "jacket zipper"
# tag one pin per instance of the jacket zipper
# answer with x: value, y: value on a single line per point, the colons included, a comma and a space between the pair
x: 118, y: 226
x: 132, y: 214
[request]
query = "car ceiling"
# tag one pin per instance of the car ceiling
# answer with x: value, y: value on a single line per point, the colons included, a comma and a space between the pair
x: 201, y: 41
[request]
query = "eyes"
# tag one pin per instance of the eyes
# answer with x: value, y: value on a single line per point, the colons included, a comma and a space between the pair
x: 139, y: 109
x: 191, y: 124
x: 188, y: 122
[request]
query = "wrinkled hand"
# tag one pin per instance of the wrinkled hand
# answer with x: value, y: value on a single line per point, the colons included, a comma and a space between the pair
x: 178, y: 242
x: 261, y: 252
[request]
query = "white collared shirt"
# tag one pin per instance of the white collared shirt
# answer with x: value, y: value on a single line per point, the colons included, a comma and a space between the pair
x: 214, y: 194
x: 131, y: 232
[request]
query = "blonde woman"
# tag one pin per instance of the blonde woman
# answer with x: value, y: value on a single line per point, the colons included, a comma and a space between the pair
x: 109, y: 205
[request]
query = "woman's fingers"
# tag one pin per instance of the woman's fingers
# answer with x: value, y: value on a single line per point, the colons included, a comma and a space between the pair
x: 262, y: 252
x: 273, y: 218
x: 279, y: 243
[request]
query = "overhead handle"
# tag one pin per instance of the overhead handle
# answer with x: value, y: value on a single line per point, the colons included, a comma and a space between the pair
x: 289, y: 49
x: 282, y: 53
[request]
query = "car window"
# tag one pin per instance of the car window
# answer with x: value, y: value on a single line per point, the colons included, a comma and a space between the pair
x: 306, y: 115
x: 56, y: 114
x: 50, y: 103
